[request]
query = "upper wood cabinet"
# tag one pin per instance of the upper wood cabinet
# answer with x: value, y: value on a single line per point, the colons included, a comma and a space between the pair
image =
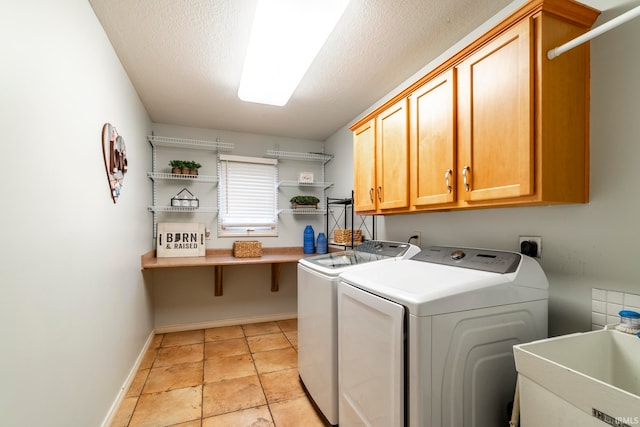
x: 433, y: 142
x: 364, y: 163
x: 381, y: 156
x: 392, y: 157
x: 495, y: 118
x: 510, y: 124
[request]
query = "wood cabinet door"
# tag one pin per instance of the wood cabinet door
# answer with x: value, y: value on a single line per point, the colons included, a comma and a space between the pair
x: 392, y: 149
x: 495, y: 118
x: 432, y: 141
x: 364, y: 165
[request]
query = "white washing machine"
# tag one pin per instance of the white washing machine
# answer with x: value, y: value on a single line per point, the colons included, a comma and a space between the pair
x: 317, y: 315
x: 427, y: 342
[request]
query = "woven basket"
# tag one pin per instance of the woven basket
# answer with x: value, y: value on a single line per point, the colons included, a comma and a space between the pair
x: 341, y: 235
x: 247, y: 249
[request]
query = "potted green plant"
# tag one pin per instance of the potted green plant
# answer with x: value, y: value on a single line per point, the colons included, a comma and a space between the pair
x: 186, y: 170
x: 304, y: 202
x: 193, y: 167
x: 176, y: 166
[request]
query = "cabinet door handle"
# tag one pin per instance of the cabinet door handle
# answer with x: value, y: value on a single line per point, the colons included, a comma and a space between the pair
x: 466, y: 170
x: 371, y: 194
x: 447, y: 174
x: 379, y: 191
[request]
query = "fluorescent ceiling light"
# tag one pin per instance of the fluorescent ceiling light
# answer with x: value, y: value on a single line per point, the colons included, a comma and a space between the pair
x: 285, y: 38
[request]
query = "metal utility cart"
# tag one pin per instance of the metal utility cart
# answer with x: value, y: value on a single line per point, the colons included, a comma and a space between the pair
x: 340, y: 213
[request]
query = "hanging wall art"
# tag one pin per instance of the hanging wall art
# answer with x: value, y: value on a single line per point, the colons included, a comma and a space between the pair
x: 115, y: 159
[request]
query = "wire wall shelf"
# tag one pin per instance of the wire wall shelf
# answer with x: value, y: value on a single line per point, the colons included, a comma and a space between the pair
x: 163, y: 141
x: 181, y: 209
x: 302, y: 211
x: 304, y: 184
x: 177, y: 177
x: 291, y: 155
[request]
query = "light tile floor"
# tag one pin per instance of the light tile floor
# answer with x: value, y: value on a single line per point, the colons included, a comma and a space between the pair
x: 230, y: 376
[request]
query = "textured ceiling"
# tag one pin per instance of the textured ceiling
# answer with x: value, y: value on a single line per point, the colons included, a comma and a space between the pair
x: 185, y: 59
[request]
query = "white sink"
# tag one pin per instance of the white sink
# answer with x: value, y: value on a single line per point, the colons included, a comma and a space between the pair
x: 579, y: 380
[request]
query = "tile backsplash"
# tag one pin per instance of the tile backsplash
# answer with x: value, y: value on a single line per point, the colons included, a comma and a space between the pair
x: 605, y: 306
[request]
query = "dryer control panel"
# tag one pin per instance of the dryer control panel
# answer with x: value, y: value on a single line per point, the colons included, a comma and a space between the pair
x: 477, y: 259
x: 384, y: 248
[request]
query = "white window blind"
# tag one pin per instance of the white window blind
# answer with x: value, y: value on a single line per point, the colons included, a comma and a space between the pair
x: 247, y: 192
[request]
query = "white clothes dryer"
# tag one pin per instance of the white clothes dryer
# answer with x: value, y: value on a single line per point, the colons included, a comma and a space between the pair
x: 427, y: 342
x: 317, y: 315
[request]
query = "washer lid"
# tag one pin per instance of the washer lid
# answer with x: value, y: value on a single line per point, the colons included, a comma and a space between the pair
x: 428, y: 288
x: 334, y: 263
x: 369, y: 251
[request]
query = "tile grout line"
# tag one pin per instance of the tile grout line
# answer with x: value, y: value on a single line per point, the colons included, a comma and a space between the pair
x: 253, y: 360
x: 204, y: 354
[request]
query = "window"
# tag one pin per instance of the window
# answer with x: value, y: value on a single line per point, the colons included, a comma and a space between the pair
x: 247, y: 196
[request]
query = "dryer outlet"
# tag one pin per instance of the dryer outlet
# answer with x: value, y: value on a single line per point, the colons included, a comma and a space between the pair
x: 528, y: 243
x: 416, y: 238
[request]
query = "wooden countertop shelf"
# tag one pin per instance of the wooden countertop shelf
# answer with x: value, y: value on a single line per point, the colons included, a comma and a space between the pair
x: 218, y: 258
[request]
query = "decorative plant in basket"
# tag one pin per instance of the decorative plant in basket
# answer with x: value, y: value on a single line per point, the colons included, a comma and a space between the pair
x: 176, y: 166
x: 184, y: 167
x: 304, y: 202
x: 186, y: 170
x: 193, y: 167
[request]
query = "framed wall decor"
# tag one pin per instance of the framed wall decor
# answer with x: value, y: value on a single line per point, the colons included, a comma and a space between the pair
x: 115, y: 159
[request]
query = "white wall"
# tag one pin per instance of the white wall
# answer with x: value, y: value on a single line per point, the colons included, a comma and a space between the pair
x: 183, y: 297
x: 584, y: 246
x: 75, y: 309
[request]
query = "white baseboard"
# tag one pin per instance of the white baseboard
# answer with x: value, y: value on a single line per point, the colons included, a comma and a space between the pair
x: 225, y: 322
x: 180, y: 328
x: 127, y: 383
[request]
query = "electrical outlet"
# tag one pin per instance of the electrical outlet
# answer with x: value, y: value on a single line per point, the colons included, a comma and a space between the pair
x: 207, y: 234
x: 416, y: 240
x: 532, y: 239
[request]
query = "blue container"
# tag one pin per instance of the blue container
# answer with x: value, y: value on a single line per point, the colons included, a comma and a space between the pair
x: 321, y: 246
x: 308, y: 241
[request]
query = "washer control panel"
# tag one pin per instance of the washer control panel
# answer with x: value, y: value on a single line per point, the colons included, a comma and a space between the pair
x: 384, y: 248
x: 477, y: 259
